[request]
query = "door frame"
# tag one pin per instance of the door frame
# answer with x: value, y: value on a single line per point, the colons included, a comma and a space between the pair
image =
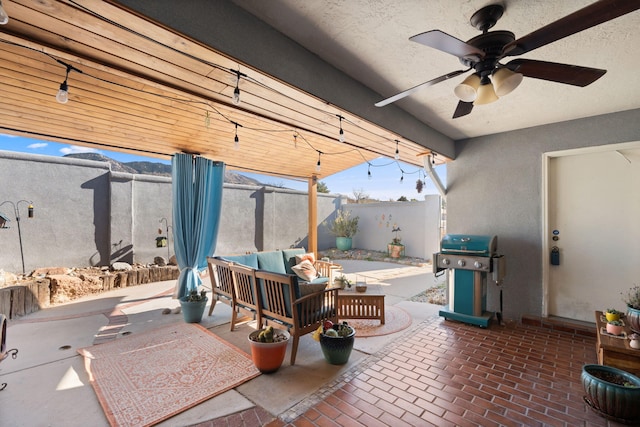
x: 547, y: 243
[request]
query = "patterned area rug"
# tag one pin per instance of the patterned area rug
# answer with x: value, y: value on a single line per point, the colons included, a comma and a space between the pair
x: 395, y: 319
x: 143, y: 379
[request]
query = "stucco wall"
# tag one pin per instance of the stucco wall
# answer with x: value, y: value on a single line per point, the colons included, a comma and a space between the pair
x: 494, y: 188
x: 87, y: 215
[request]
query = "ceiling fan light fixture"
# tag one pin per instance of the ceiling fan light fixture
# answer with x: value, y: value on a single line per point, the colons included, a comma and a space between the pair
x: 467, y: 91
x: 486, y: 94
x: 506, y: 81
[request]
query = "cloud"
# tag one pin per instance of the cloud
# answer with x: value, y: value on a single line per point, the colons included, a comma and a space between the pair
x: 74, y: 149
x: 37, y: 145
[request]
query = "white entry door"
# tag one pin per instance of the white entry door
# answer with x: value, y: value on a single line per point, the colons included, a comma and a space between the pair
x: 593, y: 219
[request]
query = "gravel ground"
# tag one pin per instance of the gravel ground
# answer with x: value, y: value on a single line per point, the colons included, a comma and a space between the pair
x: 434, y: 295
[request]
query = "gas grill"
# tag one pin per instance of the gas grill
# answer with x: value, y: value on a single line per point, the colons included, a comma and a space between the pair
x: 472, y: 261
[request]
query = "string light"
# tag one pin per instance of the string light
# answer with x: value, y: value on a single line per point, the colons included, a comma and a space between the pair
x: 295, y: 141
x: 433, y: 158
x: 4, y: 18
x: 369, y: 170
x: 401, y: 176
x: 397, y: 156
x: 318, y: 167
x: 63, y: 93
x: 236, y: 140
x: 341, y: 135
x: 236, y: 91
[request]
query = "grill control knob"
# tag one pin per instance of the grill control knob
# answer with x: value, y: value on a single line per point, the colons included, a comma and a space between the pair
x: 477, y: 264
x: 446, y: 261
x: 461, y: 262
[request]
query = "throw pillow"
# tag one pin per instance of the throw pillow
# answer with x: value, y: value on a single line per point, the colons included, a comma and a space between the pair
x: 305, y: 270
x: 311, y: 257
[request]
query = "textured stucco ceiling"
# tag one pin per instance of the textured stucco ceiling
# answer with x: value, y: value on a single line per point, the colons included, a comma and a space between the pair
x: 369, y: 40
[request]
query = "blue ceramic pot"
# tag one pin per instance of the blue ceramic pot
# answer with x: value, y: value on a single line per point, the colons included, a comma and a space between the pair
x: 192, y: 311
x: 336, y: 350
x: 343, y: 243
x: 612, y: 400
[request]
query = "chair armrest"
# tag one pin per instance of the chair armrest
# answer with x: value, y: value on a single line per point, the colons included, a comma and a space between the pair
x: 316, y: 307
x: 324, y: 268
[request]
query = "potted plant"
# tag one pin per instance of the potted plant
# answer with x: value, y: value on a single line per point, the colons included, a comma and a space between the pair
x: 336, y: 341
x: 342, y: 282
x: 268, y: 347
x: 612, y: 314
x: 615, y: 327
x: 612, y: 392
x: 344, y: 227
x: 193, y: 305
x: 632, y: 299
x: 634, y: 341
x: 395, y: 248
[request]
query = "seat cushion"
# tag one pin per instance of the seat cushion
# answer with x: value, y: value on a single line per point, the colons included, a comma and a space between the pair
x: 249, y: 260
x: 289, y: 258
x: 272, y: 261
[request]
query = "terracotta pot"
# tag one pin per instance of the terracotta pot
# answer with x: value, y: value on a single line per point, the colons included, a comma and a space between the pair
x: 615, y: 329
x: 268, y: 356
x: 612, y: 400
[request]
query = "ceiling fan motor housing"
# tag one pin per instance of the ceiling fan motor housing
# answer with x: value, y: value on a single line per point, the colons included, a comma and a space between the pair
x: 492, y: 44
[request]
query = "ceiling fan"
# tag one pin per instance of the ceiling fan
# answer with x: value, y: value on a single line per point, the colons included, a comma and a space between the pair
x: 483, y: 54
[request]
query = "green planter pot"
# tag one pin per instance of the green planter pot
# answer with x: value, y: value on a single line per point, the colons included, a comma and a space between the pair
x: 343, y: 243
x: 336, y: 350
x: 633, y: 319
x: 611, y: 400
x: 192, y: 311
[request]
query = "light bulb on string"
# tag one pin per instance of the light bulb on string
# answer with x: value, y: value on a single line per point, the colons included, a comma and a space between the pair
x: 402, y: 177
x: 397, y: 156
x: 295, y: 140
x: 63, y: 93
x: 4, y: 18
x: 236, y: 91
x: 236, y: 140
x: 318, y: 167
x: 341, y: 134
x: 433, y: 158
x: 369, y: 171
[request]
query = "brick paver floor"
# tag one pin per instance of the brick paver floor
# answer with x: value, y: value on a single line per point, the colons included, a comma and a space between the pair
x: 446, y: 373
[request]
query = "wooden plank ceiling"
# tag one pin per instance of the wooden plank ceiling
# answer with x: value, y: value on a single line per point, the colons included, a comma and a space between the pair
x: 141, y: 88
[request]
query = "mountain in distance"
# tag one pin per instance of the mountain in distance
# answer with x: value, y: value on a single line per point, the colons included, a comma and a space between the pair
x: 155, y: 168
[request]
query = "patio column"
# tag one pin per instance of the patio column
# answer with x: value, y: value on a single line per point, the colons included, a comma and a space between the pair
x: 313, y: 215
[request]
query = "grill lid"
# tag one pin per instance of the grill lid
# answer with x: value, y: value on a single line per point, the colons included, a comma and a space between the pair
x: 469, y: 244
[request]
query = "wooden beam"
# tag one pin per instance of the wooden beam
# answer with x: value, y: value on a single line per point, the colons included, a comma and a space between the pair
x: 313, y: 215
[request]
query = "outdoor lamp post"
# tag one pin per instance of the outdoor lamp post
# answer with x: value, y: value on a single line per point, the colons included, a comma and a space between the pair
x: 16, y: 210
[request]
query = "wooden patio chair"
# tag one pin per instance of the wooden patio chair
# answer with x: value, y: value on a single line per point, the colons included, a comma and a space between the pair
x: 246, y: 293
x: 281, y: 307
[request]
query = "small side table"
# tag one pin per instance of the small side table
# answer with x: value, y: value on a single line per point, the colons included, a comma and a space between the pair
x: 615, y: 351
x: 361, y: 305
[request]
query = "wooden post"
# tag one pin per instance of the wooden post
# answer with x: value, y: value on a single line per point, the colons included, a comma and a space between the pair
x: 313, y: 215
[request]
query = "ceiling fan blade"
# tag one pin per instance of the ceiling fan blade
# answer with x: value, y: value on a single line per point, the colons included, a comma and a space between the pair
x: 420, y: 86
x: 449, y: 44
x: 552, y: 71
x: 590, y: 16
x: 463, y: 109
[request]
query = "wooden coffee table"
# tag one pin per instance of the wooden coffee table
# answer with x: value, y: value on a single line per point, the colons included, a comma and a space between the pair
x: 361, y: 305
x: 614, y: 351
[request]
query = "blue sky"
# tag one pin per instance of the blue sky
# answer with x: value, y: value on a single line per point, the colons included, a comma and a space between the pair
x: 385, y: 183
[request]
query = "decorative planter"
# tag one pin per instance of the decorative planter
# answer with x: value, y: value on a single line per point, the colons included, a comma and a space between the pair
x: 336, y: 350
x: 615, y: 329
x: 612, y: 400
x: 268, y: 356
x: 633, y: 319
x: 611, y: 316
x: 192, y: 311
x: 343, y: 243
x: 395, y: 251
